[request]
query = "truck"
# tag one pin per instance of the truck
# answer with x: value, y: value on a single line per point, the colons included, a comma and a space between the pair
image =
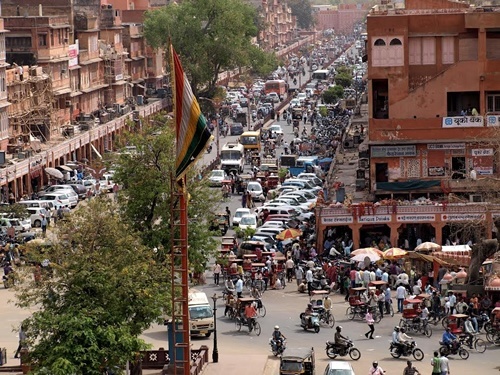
x: 304, y: 164
x: 232, y: 157
x: 201, y: 316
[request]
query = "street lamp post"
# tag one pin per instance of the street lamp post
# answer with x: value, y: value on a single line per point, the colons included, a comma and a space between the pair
x: 215, y: 352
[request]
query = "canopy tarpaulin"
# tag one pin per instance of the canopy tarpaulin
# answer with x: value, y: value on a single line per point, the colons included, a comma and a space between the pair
x: 407, y: 185
x: 427, y: 258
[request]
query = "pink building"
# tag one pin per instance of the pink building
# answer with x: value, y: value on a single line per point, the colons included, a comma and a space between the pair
x: 341, y: 18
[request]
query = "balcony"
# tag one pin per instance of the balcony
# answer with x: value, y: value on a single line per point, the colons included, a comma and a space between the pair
x: 84, y: 22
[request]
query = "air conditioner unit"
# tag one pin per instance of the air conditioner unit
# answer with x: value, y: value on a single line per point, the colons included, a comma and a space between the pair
x: 63, y: 71
x: 475, y: 198
x: 68, y: 103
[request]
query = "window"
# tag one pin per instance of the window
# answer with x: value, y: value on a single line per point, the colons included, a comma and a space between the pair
x: 493, y: 102
x: 467, y: 49
x: 429, y: 50
x: 379, y: 42
x: 387, y: 55
x: 395, y: 42
x: 415, y: 51
x: 448, y: 49
x: 42, y: 39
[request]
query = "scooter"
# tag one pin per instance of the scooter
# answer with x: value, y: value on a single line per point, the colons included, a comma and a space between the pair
x: 277, y: 347
x: 310, y: 322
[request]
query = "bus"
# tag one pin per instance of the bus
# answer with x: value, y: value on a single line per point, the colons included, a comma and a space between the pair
x: 278, y: 86
x: 321, y: 75
x: 232, y: 157
x: 251, y: 140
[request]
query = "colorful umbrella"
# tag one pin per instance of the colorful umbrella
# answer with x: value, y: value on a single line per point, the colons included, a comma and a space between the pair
x: 428, y: 246
x: 395, y: 253
x: 288, y: 234
x: 361, y: 257
x: 368, y: 250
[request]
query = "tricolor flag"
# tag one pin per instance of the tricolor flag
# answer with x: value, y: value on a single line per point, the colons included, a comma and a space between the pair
x: 191, y: 129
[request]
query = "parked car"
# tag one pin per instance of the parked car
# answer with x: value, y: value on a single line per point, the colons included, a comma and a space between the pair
x: 256, y: 191
x: 20, y: 225
x: 216, y: 177
x: 240, y: 212
x: 57, y: 199
x: 37, y: 214
x: 339, y: 368
x: 248, y: 221
x: 80, y: 190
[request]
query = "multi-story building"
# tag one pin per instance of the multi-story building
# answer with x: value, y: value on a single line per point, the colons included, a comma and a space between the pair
x: 342, y: 18
x: 4, y: 103
x: 433, y: 93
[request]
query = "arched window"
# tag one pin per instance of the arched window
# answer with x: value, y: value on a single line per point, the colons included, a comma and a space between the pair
x: 395, y: 42
x: 379, y: 42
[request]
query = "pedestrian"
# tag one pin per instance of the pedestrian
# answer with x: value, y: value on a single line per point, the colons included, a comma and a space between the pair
x: 244, y: 200
x: 239, y: 287
x: 436, y: 364
x: 410, y: 370
x: 400, y: 295
x: 289, y: 269
x: 376, y: 369
x: 44, y: 225
x: 381, y: 303
x: 445, y: 365
x: 115, y: 190
x: 371, y: 323
x: 22, y: 341
x: 216, y: 271
x: 299, y: 274
x: 309, y: 280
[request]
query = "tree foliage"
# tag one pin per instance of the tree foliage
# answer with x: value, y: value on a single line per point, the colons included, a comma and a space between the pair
x: 101, y: 291
x: 147, y: 195
x: 333, y: 94
x: 343, y: 79
x: 302, y: 9
x: 15, y: 210
x: 210, y: 36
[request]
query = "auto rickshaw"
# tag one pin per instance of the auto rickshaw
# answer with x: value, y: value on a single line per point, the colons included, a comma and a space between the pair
x: 220, y: 223
x: 297, y: 361
x: 273, y: 181
x: 242, y: 182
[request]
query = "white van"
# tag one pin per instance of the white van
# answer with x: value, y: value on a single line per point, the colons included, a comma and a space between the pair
x: 201, y: 316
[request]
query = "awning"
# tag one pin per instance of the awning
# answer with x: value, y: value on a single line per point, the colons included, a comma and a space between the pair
x: 95, y: 150
x: 141, y: 86
x: 62, y: 91
x: 407, y: 185
x: 65, y: 168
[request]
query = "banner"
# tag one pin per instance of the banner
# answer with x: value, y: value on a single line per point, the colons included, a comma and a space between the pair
x: 463, y: 122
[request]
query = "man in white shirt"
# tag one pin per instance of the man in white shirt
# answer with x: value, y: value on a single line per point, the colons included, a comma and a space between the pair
x: 445, y: 365
x: 309, y: 280
x: 453, y: 302
x: 359, y: 279
x: 400, y: 295
x: 385, y: 276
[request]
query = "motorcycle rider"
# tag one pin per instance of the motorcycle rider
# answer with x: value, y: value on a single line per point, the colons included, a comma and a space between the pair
x: 395, y: 337
x: 404, y: 339
x: 340, y: 341
x: 307, y: 314
x: 277, y: 337
x: 449, y: 339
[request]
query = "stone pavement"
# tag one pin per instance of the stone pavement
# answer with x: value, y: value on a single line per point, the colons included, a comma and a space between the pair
x: 244, y: 365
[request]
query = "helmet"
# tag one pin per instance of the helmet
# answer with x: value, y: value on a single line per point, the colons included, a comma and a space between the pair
x: 339, y: 328
x: 375, y: 363
x: 276, y: 328
x: 396, y: 328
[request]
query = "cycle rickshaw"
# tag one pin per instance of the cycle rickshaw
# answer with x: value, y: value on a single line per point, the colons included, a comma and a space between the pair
x: 411, y: 320
x: 242, y: 320
x: 358, y: 305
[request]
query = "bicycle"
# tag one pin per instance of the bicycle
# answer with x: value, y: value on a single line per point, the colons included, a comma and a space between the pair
x: 474, y: 343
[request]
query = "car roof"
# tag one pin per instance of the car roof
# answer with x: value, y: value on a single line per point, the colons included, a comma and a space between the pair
x: 242, y: 210
x: 339, y: 365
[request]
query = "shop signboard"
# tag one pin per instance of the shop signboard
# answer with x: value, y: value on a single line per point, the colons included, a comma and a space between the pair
x: 333, y: 220
x: 415, y: 218
x: 462, y: 217
x: 463, y: 122
x: 371, y: 219
x: 446, y: 146
x: 436, y: 171
x: 393, y: 151
x: 482, y: 152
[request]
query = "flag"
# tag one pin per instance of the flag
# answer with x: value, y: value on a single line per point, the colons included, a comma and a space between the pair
x: 192, y: 133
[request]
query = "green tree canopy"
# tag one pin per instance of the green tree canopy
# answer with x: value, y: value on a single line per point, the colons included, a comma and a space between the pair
x: 343, y: 79
x: 210, y: 36
x: 302, y: 9
x: 333, y: 94
x: 104, y: 289
x: 147, y: 196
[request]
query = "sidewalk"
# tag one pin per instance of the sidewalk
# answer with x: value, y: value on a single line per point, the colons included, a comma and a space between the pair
x: 244, y: 365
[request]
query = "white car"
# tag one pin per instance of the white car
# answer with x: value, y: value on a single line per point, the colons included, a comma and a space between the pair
x: 248, y: 221
x: 339, y: 368
x: 270, y: 230
x: 37, y: 214
x: 72, y: 196
x: 20, y: 225
x: 274, y: 97
x: 216, y: 177
x: 275, y: 130
x: 57, y: 200
x: 301, y: 199
x: 256, y: 191
x: 240, y: 212
x: 301, y: 96
x: 294, y: 103
x: 273, y: 224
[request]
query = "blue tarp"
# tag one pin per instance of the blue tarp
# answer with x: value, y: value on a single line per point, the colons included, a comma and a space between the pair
x: 407, y: 185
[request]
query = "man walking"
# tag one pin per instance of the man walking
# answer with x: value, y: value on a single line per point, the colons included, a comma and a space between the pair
x: 309, y: 280
x: 22, y: 341
x: 436, y: 364
x: 400, y: 295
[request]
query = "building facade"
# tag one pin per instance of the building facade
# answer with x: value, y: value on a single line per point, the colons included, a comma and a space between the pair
x: 341, y: 18
x: 433, y: 93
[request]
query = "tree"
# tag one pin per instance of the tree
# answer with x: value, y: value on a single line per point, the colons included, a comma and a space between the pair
x: 147, y: 196
x: 302, y: 9
x: 343, y: 79
x: 333, y: 94
x: 15, y: 210
x: 210, y: 36
x: 101, y: 290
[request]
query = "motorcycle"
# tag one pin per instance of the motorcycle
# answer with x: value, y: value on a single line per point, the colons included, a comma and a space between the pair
x: 311, y: 323
x: 406, y: 350
x: 320, y: 284
x: 209, y: 149
x: 456, y: 348
x: 333, y: 350
x: 483, y: 321
x: 277, y: 347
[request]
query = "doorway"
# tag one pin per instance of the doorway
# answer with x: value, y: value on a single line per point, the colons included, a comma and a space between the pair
x: 381, y: 172
x: 458, y: 167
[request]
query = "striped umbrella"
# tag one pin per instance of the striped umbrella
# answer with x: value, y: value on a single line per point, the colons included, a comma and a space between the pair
x: 367, y: 251
x: 288, y: 234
